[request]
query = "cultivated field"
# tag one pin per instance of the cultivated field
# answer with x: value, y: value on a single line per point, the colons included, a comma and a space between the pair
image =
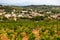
x: 34, y: 22
x: 30, y: 30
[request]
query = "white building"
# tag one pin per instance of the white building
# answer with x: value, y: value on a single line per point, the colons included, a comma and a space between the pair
x: 7, y: 15
x: 20, y: 15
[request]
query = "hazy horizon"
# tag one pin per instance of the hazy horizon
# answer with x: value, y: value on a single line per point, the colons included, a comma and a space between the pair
x: 29, y: 2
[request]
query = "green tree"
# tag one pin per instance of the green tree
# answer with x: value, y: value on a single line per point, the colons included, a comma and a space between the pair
x: 38, y: 18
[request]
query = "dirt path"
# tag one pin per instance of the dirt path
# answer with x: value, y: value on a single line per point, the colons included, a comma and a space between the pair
x: 36, y: 33
x: 4, y: 37
x: 25, y: 36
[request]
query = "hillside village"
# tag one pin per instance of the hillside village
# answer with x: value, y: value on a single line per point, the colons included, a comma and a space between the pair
x: 27, y: 13
x: 34, y: 22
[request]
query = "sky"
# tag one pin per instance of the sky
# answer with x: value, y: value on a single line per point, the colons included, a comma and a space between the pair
x: 30, y: 2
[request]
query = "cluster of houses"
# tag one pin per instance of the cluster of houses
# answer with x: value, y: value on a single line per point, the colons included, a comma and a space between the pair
x: 31, y: 15
x: 55, y: 16
x: 18, y: 15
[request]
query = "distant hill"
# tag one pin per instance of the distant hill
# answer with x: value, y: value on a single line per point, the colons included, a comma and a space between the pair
x: 31, y: 5
x: 41, y: 6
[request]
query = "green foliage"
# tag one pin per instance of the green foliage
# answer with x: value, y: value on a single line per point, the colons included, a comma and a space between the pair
x: 8, y: 9
x: 31, y: 37
x: 38, y: 18
x: 24, y: 25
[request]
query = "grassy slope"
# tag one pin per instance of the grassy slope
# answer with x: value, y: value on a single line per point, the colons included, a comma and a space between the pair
x: 47, y: 29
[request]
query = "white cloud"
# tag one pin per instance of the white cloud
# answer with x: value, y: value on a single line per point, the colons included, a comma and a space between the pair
x: 28, y: 2
x: 48, y: 2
